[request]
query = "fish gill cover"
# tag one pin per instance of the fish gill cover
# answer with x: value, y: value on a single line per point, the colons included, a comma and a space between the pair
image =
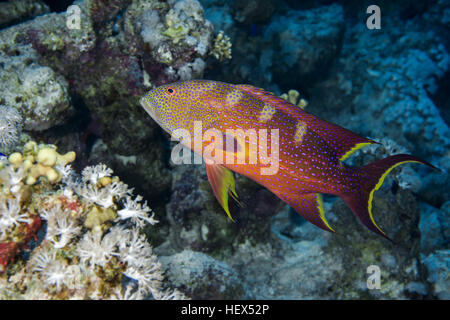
x: 72, y: 77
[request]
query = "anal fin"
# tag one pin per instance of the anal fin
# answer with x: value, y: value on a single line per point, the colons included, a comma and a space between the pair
x: 310, y: 207
x: 222, y: 184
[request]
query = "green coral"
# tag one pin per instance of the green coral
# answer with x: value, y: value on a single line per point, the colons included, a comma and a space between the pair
x: 176, y: 33
x: 222, y: 47
x: 294, y: 97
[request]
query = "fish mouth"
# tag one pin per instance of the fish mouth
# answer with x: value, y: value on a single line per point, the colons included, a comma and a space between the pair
x: 150, y: 106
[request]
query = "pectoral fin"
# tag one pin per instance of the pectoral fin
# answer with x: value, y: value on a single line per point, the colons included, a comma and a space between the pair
x: 222, y: 183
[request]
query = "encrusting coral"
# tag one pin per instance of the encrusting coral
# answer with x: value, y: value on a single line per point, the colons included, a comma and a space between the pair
x: 83, y: 232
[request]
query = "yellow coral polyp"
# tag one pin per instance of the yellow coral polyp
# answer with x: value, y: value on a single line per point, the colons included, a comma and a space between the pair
x: 98, y: 216
x: 40, y: 170
x: 39, y: 161
x: 30, y: 147
x: 15, y: 159
x: 47, y: 157
x: 65, y: 158
x: 293, y: 96
x: 104, y: 181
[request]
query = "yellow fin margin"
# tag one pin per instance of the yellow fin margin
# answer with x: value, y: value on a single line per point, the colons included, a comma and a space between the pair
x: 228, y: 187
x: 355, y: 148
x: 378, y: 186
x: 321, y: 209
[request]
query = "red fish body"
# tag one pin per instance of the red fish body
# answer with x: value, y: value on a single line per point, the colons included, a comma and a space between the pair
x: 309, y: 152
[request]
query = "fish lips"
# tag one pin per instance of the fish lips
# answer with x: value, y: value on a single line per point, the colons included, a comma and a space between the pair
x: 151, y: 107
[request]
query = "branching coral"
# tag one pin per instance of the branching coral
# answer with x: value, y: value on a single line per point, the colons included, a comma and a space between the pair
x: 222, y: 47
x: 91, y: 248
x: 293, y: 96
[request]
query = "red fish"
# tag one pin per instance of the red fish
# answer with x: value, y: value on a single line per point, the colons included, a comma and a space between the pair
x: 309, y: 151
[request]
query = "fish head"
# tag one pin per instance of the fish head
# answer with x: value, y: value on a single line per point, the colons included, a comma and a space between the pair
x: 157, y: 104
x: 179, y: 105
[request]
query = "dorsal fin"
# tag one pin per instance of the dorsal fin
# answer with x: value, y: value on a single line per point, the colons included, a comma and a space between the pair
x: 344, y: 142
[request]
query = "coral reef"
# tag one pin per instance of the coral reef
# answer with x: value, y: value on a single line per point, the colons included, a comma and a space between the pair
x: 434, y: 227
x: 121, y: 49
x: 90, y: 247
x: 36, y: 91
x: 305, y: 262
x: 197, y: 222
x: 202, y: 277
x: 437, y: 265
x: 308, y: 41
x: 18, y: 10
x: 10, y: 127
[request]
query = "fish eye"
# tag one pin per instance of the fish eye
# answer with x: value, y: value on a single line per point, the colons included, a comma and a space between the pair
x: 170, y: 91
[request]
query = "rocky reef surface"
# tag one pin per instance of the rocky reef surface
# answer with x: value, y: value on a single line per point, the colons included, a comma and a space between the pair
x: 75, y: 82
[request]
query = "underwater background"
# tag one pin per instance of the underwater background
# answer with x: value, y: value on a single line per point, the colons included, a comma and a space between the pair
x: 91, y: 206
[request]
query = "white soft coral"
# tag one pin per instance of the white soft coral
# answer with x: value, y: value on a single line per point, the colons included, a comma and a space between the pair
x: 136, y: 211
x: 104, y: 196
x: 142, y: 264
x: 54, y: 271
x: 12, y: 178
x: 93, y: 194
x: 66, y: 173
x: 95, y: 250
x: 41, y: 259
x: 118, y: 189
x: 11, y: 214
x: 134, y: 249
x: 61, y: 226
x: 94, y: 173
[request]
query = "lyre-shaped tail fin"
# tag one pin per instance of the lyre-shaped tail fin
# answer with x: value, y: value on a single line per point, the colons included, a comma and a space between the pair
x: 372, y: 177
